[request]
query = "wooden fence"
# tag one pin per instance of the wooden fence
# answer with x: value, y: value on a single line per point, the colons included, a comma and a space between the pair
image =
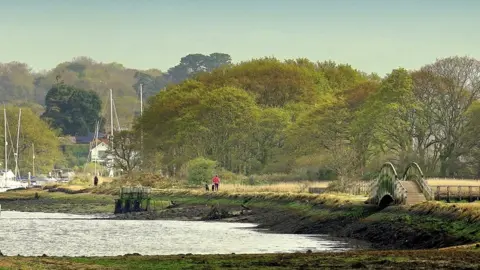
x: 468, y: 193
x: 359, y: 188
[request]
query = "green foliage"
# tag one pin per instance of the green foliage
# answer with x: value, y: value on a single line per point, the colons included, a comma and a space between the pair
x: 200, y: 170
x: 197, y: 63
x: 267, y: 115
x: 72, y: 110
x: 75, y: 155
x: 272, y: 82
x: 34, y: 135
x: 126, y: 150
x: 90, y: 168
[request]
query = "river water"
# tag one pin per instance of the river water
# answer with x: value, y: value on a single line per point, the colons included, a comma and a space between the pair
x: 35, y: 234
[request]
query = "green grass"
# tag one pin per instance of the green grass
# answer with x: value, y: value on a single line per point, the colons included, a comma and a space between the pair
x: 59, y: 202
x: 424, y: 259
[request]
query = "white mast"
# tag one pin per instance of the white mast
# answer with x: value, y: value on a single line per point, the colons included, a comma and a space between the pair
x: 111, y: 132
x: 111, y: 112
x: 141, y: 126
x: 95, y: 137
x: 33, y: 159
x: 16, y: 149
x: 141, y: 99
x: 6, y: 145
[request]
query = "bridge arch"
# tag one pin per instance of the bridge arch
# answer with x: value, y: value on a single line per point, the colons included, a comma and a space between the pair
x: 385, y: 201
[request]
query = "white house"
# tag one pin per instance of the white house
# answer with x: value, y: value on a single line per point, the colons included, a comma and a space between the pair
x: 98, y: 153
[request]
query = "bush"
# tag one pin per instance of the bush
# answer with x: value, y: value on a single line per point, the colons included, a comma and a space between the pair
x: 81, y: 180
x: 200, y: 170
x: 230, y: 177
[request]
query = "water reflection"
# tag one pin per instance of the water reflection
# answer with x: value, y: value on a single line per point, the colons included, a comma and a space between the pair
x: 34, y: 234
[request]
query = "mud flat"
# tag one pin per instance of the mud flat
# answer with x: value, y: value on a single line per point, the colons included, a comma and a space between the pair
x: 423, y: 226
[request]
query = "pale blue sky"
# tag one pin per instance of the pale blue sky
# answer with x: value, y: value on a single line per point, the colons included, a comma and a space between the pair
x: 372, y: 35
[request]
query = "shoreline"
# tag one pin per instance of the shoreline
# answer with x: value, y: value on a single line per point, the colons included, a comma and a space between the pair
x: 426, y: 236
x: 425, y: 226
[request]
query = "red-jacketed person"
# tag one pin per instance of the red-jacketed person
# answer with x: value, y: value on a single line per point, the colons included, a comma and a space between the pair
x: 216, y: 182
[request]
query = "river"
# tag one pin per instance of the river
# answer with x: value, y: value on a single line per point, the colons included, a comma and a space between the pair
x: 35, y: 234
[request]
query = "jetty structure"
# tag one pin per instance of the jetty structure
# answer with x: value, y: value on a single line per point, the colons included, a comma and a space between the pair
x: 133, y: 199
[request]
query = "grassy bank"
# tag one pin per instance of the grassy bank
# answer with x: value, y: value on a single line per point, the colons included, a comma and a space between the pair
x: 425, y: 259
x: 427, y: 225
x: 37, y: 200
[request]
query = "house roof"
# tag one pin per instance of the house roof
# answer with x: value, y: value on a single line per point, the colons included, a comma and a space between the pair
x: 87, y: 139
x: 100, y: 140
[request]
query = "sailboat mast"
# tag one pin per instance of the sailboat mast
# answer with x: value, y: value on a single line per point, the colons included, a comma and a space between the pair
x: 6, y: 145
x: 141, y: 99
x: 33, y: 159
x: 111, y: 174
x: 111, y: 112
x: 141, y: 126
x: 96, y: 138
x: 16, y: 149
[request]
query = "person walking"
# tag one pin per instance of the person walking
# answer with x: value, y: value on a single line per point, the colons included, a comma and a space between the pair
x: 216, y: 182
x: 95, y: 181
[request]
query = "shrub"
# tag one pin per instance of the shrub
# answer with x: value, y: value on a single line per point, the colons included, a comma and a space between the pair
x: 200, y: 170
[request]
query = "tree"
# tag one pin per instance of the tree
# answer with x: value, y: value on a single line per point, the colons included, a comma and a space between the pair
x: 72, y: 110
x: 448, y: 88
x: 16, y: 82
x: 340, y: 76
x: 270, y: 133
x: 389, y: 112
x: 126, y: 150
x: 34, y: 135
x: 152, y: 82
x: 471, y: 145
x: 273, y: 83
x: 196, y: 63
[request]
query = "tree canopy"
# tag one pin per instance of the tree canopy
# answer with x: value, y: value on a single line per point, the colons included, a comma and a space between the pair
x: 297, y: 116
x: 72, y: 110
x: 20, y: 84
x: 309, y: 119
x: 35, y: 138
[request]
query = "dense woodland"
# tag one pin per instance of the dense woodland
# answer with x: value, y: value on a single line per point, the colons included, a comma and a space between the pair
x: 298, y: 118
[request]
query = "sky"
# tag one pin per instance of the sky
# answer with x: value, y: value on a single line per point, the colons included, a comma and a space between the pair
x: 371, y: 35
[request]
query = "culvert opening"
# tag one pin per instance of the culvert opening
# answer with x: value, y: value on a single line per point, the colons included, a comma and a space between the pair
x: 385, y: 201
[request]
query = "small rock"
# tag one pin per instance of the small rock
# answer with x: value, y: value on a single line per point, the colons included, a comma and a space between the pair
x: 44, y: 255
x: 309, y: 251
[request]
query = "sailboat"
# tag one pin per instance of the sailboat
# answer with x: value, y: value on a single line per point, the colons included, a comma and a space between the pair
x: 7, y: 177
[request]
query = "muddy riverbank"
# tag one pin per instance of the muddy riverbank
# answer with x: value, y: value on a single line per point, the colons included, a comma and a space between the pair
x: 425, y: 226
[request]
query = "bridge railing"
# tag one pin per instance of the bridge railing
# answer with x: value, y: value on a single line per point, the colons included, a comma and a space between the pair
x: 424, y: 187
x: 400, y: 192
